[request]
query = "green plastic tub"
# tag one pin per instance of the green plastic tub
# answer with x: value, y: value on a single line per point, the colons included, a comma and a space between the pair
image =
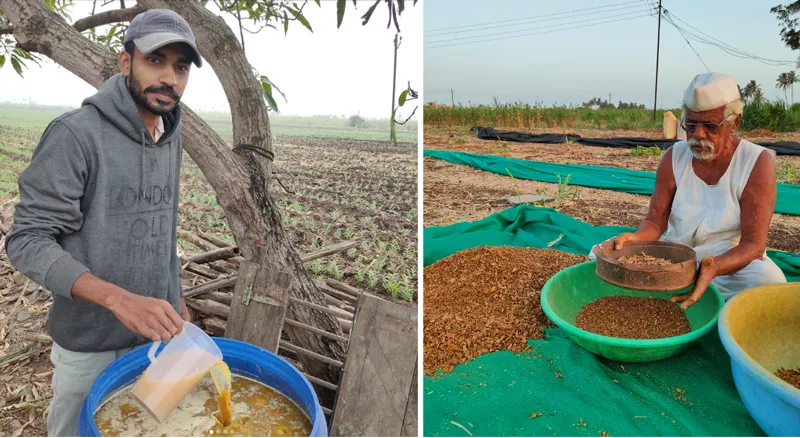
x: 565, y: 294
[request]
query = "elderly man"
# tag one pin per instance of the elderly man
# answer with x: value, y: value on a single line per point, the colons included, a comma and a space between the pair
x: 716, y: 193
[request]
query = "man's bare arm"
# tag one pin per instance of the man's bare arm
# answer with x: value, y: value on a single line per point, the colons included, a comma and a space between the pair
x: 655, y: 223
x: 757, y: 205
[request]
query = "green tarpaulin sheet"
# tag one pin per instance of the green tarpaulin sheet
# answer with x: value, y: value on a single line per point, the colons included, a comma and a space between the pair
x: 609, y: 178
x: 558, y: 388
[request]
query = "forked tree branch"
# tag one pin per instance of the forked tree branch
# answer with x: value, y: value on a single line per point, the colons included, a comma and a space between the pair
x: 92, y: 21
x: 108, y: 17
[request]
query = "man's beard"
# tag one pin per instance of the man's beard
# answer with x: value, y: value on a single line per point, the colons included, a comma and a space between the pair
x: 139, y: 96
x: 708, y: 152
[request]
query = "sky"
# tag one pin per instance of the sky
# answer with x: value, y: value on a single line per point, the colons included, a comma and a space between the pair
x: 536, y: 57
x: 333, y: 71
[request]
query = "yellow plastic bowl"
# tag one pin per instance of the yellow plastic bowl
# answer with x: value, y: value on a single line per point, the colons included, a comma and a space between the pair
x: 760, y: 329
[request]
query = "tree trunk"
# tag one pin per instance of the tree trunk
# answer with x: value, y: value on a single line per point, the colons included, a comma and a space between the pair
x: 241, y: 177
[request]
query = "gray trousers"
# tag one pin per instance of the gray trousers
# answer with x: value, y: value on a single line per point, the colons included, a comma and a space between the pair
x: 72, y: 378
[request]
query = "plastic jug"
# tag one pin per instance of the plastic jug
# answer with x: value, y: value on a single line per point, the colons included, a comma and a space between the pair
x: 178, y: 369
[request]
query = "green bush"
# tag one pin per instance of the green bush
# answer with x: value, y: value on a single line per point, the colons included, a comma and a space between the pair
x: 356, y: 121
x: 776, y: 116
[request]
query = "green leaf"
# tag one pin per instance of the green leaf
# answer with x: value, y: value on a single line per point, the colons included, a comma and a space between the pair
x: 270, y: 100
x: 403, y: 97
x: 317, y: 1
x: 15, y: 64
x: 366, y: 17
x: 301, y: 19
x: 340, y: 7
x: 264, y: 78
x: 2, y: 60
x: 268, y: 86
x: 285, y: 23
x: 400, y: 6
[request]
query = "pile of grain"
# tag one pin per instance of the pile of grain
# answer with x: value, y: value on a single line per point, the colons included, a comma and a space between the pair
x: 633, y: 318
x: 486, y: 299
x: 791, y: 377
x: 644, y: 259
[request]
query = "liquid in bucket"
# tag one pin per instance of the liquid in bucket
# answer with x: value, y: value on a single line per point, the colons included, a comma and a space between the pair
x: 175, y: 373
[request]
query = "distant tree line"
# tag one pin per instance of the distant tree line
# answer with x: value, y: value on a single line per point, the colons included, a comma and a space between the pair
x: 605, y: 104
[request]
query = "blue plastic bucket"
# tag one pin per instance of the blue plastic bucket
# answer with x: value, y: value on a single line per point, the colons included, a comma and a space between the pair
x: 242, y: 358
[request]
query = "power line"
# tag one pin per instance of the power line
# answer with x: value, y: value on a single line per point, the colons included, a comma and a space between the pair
x: 592, y: 23
x: 535, y: 33
x: 703, y: 33
x: 724, y: 46
x: 532, y: 29
x: 526, y: 18
x: 727, y: 48
x: 669, y: 19
x: 505, y: 26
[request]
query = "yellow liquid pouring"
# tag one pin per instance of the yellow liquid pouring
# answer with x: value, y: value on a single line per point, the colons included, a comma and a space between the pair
x: 222, y: 380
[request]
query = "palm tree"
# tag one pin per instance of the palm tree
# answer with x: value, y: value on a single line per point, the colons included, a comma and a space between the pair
x: 758, y: 95
x: 783, y: 83
x: 749, y: 90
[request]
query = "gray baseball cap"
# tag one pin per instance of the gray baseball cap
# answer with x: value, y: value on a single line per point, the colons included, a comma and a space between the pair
x: 155, y: 28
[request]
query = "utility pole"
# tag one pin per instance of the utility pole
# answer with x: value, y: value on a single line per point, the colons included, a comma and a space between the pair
x: 394, y: 82
x: 658, y: 47
x: 609, y: 98
x: 452, y: 98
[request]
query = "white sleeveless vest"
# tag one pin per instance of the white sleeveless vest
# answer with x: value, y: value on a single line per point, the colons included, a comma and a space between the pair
x: 706, y: 217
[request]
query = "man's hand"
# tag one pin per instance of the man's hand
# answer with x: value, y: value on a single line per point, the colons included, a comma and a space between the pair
x: 150, y: 317
x: 708, y: 271
x: 619, y: 241
x: 185, y: 314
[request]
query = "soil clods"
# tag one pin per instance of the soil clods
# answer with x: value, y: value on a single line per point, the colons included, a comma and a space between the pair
x: 791, y: 377
x: 486, y: 299
x: 633, y: 318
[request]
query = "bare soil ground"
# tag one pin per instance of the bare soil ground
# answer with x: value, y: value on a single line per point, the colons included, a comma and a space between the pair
x: 25, y: 368
x: 455, y: 193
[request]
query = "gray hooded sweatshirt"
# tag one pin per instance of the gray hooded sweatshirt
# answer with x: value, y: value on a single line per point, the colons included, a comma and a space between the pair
x: 100, y: 196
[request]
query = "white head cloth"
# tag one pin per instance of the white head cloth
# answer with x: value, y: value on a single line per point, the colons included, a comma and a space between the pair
x: 709, y: 91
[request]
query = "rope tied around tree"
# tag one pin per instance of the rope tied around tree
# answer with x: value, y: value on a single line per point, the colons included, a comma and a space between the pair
x: 264, y: 152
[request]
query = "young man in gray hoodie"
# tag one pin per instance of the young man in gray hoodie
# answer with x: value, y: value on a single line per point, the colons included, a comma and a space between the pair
x: 98, y: 211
